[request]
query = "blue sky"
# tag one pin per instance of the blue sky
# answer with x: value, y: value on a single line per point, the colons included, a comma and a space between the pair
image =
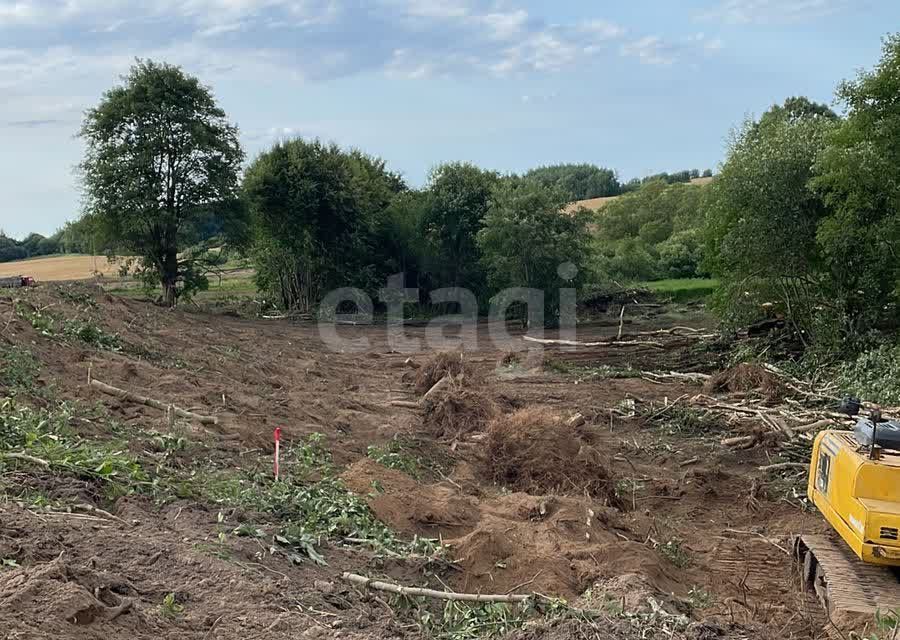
x: 640, y: 86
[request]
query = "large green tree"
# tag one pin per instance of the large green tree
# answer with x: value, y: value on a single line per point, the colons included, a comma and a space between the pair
x: 859, y: 177
x: 458, y: 198
x: 316, y: 212
x: 159, y: 153
x: 762, y: 219
x: 527, y: 241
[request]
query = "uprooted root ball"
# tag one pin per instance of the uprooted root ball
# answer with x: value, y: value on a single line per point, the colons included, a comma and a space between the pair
x: 458, y: 412
x: 746, y: 377
x: 533, y: 450
x: 442, y: 365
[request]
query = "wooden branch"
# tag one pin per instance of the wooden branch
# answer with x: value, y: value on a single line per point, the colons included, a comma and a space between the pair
x: 818, y: 425
x: 122, y: 394
x: 782, y: 466
x: 621, y: 322
x: 26, y: 458
x: 602, y: 343
x: 436, y: 390
x: 406, y: 404
x: 375, y: 585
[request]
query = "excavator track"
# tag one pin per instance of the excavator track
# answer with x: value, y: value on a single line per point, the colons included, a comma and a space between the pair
x: 844, y: 584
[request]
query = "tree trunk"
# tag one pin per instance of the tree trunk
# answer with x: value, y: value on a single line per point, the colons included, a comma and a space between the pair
x: 170, y: 279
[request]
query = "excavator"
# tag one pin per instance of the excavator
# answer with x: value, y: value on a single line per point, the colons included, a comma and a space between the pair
x: 854, y: 481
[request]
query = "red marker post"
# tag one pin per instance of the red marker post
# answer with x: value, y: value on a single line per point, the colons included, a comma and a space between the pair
x: 277, y: 453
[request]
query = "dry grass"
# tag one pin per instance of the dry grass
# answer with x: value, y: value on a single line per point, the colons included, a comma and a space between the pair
x: 57, y: 268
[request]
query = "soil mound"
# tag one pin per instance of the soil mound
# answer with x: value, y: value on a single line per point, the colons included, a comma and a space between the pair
x: 746, y: 377
x: 534, y: 451
x: 409, y: 507
x: 442, y: 365
x: 458, y: 412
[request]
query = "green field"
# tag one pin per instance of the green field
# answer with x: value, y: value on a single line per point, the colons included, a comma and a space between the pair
x: 683, y: 289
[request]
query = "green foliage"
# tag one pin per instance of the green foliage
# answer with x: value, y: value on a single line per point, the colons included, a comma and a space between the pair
x: 311, y: 504
x: 18, y: 368
x: 316, y: 212
x: 683, y: 289
x: 874, y: 375
x: 89, y: 332
x: 805, y: 213
x: 170, y: 608
x: 651, y: 233
x: 32, y: 246
x: 577, y: 181
x: 159, y: 151
x: 45, y: 434
x: 762, y: 222
x: 683, y: 421
x: 674, y: 552
x: 394, y: 456
x: 466, y: 621
x: 526, y: 240
x: 859, y: 178
x: 459, y: 195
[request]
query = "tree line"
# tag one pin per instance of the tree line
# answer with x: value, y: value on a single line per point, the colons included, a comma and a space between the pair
x: 802, y: 219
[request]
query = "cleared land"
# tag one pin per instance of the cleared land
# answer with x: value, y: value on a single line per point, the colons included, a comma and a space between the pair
x: 60, y: 268
x: 595, y: 204
x: 636, y: 505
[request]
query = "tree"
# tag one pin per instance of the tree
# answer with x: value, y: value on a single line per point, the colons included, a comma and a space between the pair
x: 316, y: 212
x: 458, y: 196
x: 159, y: 150
x: 636, y: 226
x: 577, y: 181
x: 860, y: 180
x: 526, y: 238
x: 797, y: 108
x: 762, y: 220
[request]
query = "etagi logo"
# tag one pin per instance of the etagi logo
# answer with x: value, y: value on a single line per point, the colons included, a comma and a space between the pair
x: 527, y: 303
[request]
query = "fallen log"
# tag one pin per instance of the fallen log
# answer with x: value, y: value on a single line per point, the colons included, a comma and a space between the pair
x: 601, y: 343
x: 376, y: 585
x: 122, y: 394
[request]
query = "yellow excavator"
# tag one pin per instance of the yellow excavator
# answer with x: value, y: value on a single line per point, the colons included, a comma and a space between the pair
x: 854, y: 481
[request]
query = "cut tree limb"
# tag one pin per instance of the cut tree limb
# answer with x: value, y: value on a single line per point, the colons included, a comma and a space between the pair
x: 122, y: 394
x: 25, y: 458
x: 602, y: 343
x: 782, y: 466
x: 376, y: 585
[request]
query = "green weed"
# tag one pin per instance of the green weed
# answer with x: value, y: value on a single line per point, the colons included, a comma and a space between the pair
x: 170, y: 608
x: 394, y: 456
x: 312, y: 505
x: 18, y: 368
x: 675, y: 553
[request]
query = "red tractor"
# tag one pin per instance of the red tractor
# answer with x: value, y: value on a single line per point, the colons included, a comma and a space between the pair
x: 16, y: 281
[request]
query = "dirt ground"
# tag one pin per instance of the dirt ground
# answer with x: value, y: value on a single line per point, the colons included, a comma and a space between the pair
x: 687, y: 525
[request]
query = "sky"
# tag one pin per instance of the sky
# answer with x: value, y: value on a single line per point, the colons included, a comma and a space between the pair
x: 641, y: 86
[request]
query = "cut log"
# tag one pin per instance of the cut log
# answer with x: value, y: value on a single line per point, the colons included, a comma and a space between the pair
x: 376, y: 585
x: 122, y: 394
x: 602, y: 343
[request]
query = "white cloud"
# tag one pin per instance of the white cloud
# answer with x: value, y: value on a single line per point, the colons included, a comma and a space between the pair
x: 773, y: 11
x: 650, y: 50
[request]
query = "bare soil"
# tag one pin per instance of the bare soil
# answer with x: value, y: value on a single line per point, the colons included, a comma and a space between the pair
x: 615, y: 511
